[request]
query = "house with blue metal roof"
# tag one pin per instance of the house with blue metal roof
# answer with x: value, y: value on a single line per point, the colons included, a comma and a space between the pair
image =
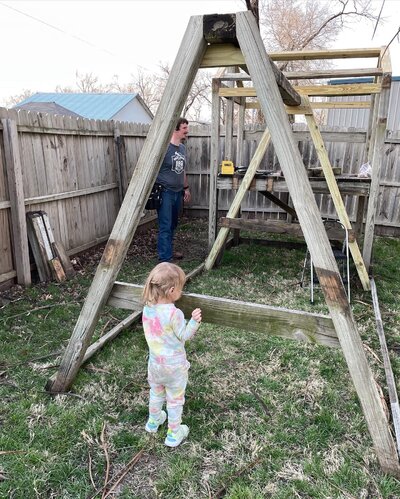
x: 105, y: 106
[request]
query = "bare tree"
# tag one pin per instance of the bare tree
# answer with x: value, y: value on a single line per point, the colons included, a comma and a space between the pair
x: 150, y: 86
x: 288, y: 25
x: 16, y: 99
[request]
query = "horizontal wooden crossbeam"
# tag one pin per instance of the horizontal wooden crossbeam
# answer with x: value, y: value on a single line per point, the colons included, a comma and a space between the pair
x: 276, y: 321
x: 312, y: 90
x: 279, y: 227
x: 227, y: 54
x: 312, y: 74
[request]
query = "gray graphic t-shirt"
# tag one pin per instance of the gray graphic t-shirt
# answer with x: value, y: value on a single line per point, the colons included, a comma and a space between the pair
x: 172, y: 168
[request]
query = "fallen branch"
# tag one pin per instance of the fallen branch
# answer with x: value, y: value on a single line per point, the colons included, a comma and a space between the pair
x: 262, y: 403
x: 28, y: 312
x: 222, y: 490
x: 90, y: 471
x: 119, y: 476
x: 41, y: 357
x: 104, y: 447
x: 5, y: 452
x: 125, y: 471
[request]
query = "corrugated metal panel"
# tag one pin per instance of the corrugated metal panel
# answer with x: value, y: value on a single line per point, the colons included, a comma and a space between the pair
x: 92, y: 106
x: 359, y: 117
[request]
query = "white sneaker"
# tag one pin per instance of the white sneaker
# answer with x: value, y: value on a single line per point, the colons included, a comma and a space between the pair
x: 153, y: 424
x: 173, y: 439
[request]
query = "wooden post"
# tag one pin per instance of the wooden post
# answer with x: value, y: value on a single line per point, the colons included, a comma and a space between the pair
x: 307, y: 210
x: 214, y: 160
x: 120, y: 164
x: 181, y: 78
x: 240, y: 132
x: 17, y: 200
x: 377, y: 156
x: 235, y: 206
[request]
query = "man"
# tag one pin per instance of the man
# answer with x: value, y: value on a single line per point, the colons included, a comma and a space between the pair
x: 172, y: 177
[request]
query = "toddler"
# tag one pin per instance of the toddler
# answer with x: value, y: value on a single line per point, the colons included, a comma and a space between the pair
x: 166, y: 331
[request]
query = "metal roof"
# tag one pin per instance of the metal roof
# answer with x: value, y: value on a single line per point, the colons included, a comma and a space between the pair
x: 92, y: 106
x: 350, y: 81
x: 359, y: 118
x: 47, y: 107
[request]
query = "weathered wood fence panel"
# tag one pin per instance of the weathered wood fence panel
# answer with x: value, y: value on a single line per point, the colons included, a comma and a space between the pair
x: 77, y: 169
x: 345, y: 148
x: 69, y: 170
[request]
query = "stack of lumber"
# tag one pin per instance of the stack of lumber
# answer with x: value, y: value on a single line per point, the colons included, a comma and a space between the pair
x: 51, y: 259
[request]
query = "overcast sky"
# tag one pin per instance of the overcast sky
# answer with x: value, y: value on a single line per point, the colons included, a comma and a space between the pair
x: 46, y: 42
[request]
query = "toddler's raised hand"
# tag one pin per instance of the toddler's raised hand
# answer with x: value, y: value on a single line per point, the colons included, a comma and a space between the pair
x: 196, y: 314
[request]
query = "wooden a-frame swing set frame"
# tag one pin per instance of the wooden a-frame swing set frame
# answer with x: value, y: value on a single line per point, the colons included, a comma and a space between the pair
x: 229, y: 40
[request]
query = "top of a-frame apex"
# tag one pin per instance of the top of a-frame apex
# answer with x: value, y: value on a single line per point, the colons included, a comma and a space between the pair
x: 220, y: 32
x: 220, y: 29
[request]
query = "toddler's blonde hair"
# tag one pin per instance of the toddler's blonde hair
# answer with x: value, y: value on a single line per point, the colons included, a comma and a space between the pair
x: 161, y: 279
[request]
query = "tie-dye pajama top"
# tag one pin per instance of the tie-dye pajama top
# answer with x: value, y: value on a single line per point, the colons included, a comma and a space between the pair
x: 166, y: 331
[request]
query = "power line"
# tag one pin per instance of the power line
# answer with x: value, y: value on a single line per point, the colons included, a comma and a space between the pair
x: 66, y: 33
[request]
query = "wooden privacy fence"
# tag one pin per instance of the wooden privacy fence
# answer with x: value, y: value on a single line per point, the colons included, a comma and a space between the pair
x: 77, y: 170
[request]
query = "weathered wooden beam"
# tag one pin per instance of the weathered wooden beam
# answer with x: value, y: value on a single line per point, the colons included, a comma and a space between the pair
x: 312, y: 90
x: 292, y: 324
x: 332, y: 73
x: 214, y: 162
x: 307, y: 210
x: 316, y: 105
x: 229, y: 55
x: 316, y: 74
x: 278, y: 227
x: 181, y: 78
x: 308, y: 55
x: 279, y: 203
x: 110, y: 335
x: 356, y: 187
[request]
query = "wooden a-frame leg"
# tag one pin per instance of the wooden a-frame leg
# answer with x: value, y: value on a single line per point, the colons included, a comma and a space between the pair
x: 181, y: 78
x: 335, y: 193
x: 260, y: 68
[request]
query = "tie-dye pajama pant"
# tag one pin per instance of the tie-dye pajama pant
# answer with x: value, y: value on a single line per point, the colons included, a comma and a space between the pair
x: 167, y: 383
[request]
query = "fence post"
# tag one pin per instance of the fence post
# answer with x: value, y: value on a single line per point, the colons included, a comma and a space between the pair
x: 17, y: 200
x: 121, y: 164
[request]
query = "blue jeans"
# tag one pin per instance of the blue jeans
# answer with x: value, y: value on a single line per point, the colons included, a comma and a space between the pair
x: 167, y: 223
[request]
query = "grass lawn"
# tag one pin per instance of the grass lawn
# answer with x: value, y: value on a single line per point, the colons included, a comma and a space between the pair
x: 268, y: 417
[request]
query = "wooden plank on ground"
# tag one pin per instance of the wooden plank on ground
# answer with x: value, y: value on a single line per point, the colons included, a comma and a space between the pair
x: 60, y: 257
x: 391, y: 384
x: 292, y: 324
x: 38, y: 247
